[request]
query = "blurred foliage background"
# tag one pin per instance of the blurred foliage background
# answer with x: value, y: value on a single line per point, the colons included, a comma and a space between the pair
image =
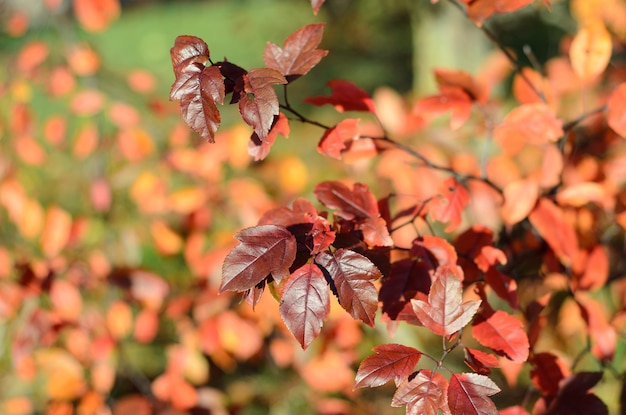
x: 114, y: 218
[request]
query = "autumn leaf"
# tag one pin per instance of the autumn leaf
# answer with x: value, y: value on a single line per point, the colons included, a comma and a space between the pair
x: 259, y: 149
x: 449, y: 206
x: 352, y: 275
x: 469, y: 393
x: 198, y: 87
x: 389, y: 361
x: 425, y: 394
x: 333, y: 142
x: 358, y: 202
x: 479, y: 361
x: 445, y: 313
x: 574, y: 396
x: 548, y: 371
x: 520, y: 198
x: 502, y: 333
x: 96, y: 15
x: 616, y: 115
x: 264, y: 250
x: 259, y: 104
x: 591, y: 50
x: 481, y: 10
x: 548, y: 219
x: 305, y: 303
x: 345, y: 96
x: 316, y: 4
x: 450, y: 99
x: 299, y: 52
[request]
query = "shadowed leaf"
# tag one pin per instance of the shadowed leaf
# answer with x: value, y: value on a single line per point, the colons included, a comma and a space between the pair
x: 468, y: 394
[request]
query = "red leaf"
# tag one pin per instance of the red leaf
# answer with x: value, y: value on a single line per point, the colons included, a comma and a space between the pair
x: 259, y: 149
x: 481, y: 10
x: 548, y: 219
x: 96, y: 15
x: 375, y: 232
x: 188, y: 50
x: 616, y: 116
x: 425, y: 394
x: 450, y: 205
x: 514, y: 410
x: 502, y: 333
x: 357, y: 202
x: 352, y: 275
x: 468, y: 394
x: 445, y: 313
x: 345, y: 96
x: 389, y: 361
x: 264, y: 250
x: 479, y: 361
x: 299, y: 52
x: 503, y: 285
x: 547, y: 373
x: 444, y: 253
x: 333, y: 143
x: 463, y: 80
x: 450, y: 98
x: 305, y: 303
x: 316, y: 4
x: 259, y: 111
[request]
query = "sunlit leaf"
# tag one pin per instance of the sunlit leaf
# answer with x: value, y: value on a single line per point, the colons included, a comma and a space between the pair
x: 389, y: 361
x: 264, y: 250
x: 469, y: 393
x: 445, y: 313
x: 333, y: 142
x: 316, y: 4
x: 345, y: 96
x: 591, y: 50
x: 305, y: 303
x: 56, y: 231
x: 616, y: 116
x: 520, y: 198
x: 448, y: 207
x: 502, y: 333
x: 260, y: 110
x: 424, y: 394
x: 553, y: 227
x: 358, y: 202
x: 96, y: 15
x: 259, y: 149
x: 352, y: 274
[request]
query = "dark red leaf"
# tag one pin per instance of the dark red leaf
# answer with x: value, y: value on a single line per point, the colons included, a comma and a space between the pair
x: 259, y: 149
x: 548, y: 372
x: 503, y: 285
x: 357, y: 202
x: 299, y: 52
x: 448, y: 208
x: 264, y: 250
x: 425, y: 394
x: 259, y: 104
x: 352, y: 275
x: 305, y: 303
x: 574, y: 397
x: 502, y: 333
x: 468, y: 394
x: 333, y: 143
x: 399, y: 286
x: 345, y: 96
x: 445, y: 313
x: 389, y: 361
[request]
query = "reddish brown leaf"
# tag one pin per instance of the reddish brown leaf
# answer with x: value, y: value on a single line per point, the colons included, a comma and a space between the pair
x: 259, y: 149
x: 425, y: 394
x: 616, y: 116
x: 264, y: 250
x: 299, y: 52
x: 502, y: 333
x: 352, y: 275
x: 448, y: 208
x: 574, y: 397
x: 463, y: 80
x: 305, y: 303
x: 358, y: 202
x: 389, y: 361
x: 469, y: 393
x: 596, y: 272
x: 260, y: 110
x: 333, y: 143
x: 503, y: 285
x: 188, y: 50
x: 345, y: 96
x: 548, y: 371
x: 445, y: 313
x: 548, y: 219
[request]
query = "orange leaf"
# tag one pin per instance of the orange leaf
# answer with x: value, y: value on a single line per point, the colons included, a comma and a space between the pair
x: 31, y: 219
x: 591, y: 50
x: 83, y: 60
x: 135, y: 143
x: 534, y: 124
x: 17, y: 24
x: 60, y: 81
x: 146, y: 326
x: 87, y: 103
x: 96, y: 15
x: 549, y: 220
x: 527, y: 95
x: 56, y: 231
x: 132, y: 405
x: 66, y: 300
x: 616, y: 116
x: 123, y: 115
x: 103, y: 376
x: 63, y: 374
x: 54, y: 129
x: 18, y: 405
x: 328, y: 373
x: 86, y: 141
x: 101, y: 196
x: 448, y: 208
x: 582, y: 193
x: 119, y: 319
x: 29, y: 150
x: 141, y: 81
x: 520, y: 198
x: 31, y: 56
x: 186, y: 200
x: 165, y: 239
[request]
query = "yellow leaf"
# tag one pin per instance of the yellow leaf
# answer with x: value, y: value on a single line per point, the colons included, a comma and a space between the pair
x: 590, y: 51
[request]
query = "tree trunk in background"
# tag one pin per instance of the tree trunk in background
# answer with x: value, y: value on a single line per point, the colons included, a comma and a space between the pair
x: 444, y: 38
